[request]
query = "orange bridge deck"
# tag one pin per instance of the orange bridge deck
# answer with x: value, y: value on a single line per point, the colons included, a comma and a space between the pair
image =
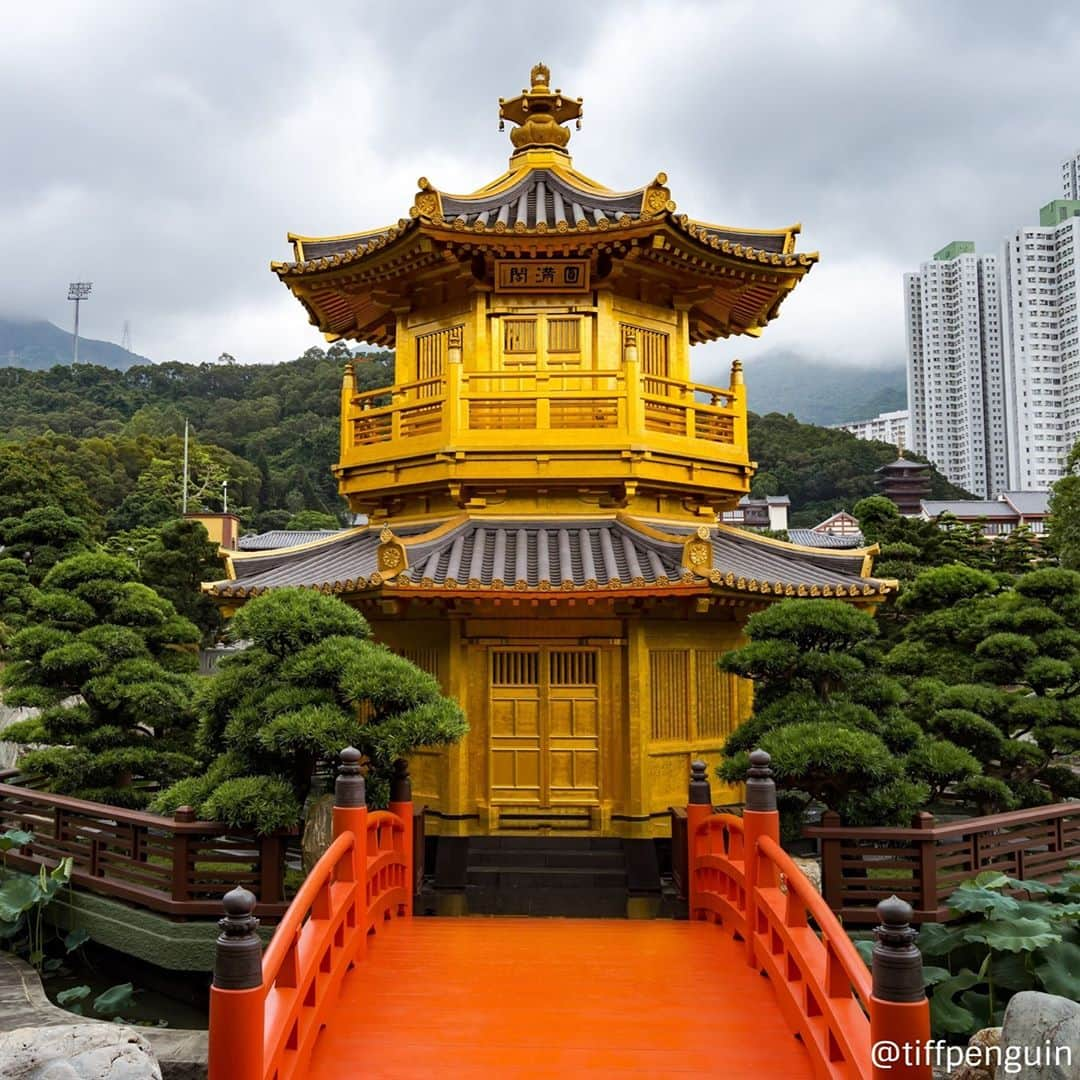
x: 504, y: 997
x: 762, y: 981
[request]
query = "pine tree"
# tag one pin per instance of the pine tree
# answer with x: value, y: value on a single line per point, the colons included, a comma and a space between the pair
x: 311, y: 683
x: 106, y: 660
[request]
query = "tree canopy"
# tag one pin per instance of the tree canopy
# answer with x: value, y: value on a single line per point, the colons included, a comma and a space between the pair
x: 106, y: 660
x: 311, y: 683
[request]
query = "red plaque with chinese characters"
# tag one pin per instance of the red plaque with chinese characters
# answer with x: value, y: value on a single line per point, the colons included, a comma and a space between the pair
x: 542, y: 275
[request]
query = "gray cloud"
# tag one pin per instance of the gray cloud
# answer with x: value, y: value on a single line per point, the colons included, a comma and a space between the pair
x: 164, y: 150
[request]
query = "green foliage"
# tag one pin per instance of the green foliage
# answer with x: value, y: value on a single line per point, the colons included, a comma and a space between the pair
x: 837, y: 766
x: 939, y: 764
x: 108, y: 444
x: 175, y: 562
x: 285, y: 621
x: 311, y: 683
x: 263, y: 803
x: 831, y: 719
x: 1063, y: 533
x: 31, y: 478
x: 101, y: 661
x: 993, y: 669
x: 43, y: 536
x: 23, y: 899
x: 310, y: 520
x: 1009, y: 936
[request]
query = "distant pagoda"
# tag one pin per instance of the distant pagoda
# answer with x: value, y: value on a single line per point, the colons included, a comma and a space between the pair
x: 543, y: 481
x: 906, y: 482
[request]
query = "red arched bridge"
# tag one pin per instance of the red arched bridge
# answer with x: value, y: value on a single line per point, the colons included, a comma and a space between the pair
x: 352, y: 985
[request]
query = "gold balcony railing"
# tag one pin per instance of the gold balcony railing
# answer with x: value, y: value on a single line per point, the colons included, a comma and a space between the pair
x: 547, y: 410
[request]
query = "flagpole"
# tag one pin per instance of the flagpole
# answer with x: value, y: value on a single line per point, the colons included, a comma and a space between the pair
x: 183, y: 498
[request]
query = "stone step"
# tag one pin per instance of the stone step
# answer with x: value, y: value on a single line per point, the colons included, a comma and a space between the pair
x: 544, y: 843
x: 601, y: 860
x: 546, y: 877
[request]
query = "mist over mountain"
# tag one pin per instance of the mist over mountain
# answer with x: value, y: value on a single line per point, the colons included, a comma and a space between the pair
x: 37, y: 345
x: 817, y: 393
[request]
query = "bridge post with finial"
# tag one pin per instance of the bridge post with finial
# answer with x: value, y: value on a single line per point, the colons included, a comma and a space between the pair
x: 401, y: 803
x: 760, y: 819
x: 237, y: 997
x: 351, y: 815
x: 699, y: 809
x: 899, y: 1011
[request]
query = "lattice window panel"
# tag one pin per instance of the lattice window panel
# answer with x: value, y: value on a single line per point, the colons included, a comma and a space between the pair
x: 716, y: 712
x: 653, y: 358
x: 431, y: 353
x: 425, y: 658
x: 519, y: 339
x: 572, y: 668
x: 515, y: 668
x: 564, y: 341
x: 669, y: 693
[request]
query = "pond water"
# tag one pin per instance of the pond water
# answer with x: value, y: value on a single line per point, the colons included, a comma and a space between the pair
x: 161, y: 999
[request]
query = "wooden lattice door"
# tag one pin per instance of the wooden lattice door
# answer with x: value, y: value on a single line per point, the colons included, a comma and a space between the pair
x: 544, y: 710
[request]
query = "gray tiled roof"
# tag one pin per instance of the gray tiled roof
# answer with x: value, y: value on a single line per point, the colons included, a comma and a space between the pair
x: 557, y: 552
x: 279, y: 538
x: 550, y: 554
x: 1028, y: 502
x: 542, y: 196
x: 968, y: 508
x: 810, y: 538
x: 320, y: 249
x: 904, y: 465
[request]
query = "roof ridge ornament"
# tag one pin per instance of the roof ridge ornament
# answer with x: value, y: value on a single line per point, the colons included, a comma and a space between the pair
x: 539, y: 113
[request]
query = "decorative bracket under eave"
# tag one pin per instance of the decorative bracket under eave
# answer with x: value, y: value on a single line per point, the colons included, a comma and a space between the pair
x: 426, y: 202
x: 698, y: 552
x: 391, y: 557
x: 657, y: 198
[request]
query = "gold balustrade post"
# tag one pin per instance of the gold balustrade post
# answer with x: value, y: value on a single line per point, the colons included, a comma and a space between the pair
x: 455, y: 418
x: 348, y: 389
x: 635, y: 404
x: 738, y: 405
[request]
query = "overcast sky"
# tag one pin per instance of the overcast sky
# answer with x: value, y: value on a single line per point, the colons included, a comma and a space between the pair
x: 163, y: 150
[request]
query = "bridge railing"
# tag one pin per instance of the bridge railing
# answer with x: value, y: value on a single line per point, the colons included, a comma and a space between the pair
x: 267, y: 1011
x: 177, y: 865
x: 740, y: 877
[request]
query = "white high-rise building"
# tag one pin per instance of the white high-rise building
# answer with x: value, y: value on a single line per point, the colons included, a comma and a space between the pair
x: 1040, y: 299
x: 956, y: 394
x: 887, y: 427
x: 1070, y: 177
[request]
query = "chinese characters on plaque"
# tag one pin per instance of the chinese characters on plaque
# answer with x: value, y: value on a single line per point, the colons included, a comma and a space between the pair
x: 542, y: 275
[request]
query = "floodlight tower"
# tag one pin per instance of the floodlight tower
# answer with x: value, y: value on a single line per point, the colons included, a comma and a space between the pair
x: 78, y: 291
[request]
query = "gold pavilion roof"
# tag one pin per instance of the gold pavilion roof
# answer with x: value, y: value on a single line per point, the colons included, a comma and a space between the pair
x: 733, y: 279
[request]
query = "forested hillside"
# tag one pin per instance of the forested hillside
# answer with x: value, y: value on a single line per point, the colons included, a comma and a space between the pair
x: 114, y: 439
x: 821, y: 469
x: 111, y: 442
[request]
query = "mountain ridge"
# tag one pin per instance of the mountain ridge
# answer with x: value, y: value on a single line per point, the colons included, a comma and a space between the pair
x: 822, y: 393
x: 37, y: 345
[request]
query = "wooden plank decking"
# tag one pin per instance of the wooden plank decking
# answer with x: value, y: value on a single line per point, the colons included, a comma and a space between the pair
x: 509, y: 998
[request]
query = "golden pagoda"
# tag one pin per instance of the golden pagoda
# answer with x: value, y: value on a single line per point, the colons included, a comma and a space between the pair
x: 544, y: 481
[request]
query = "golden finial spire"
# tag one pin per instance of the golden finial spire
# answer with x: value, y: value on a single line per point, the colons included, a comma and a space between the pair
x: 540, y: 113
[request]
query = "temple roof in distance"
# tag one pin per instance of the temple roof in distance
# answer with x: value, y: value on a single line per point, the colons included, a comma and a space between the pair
x: 478, y: 556
x: 812, y: 538
x: 279, y: 538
